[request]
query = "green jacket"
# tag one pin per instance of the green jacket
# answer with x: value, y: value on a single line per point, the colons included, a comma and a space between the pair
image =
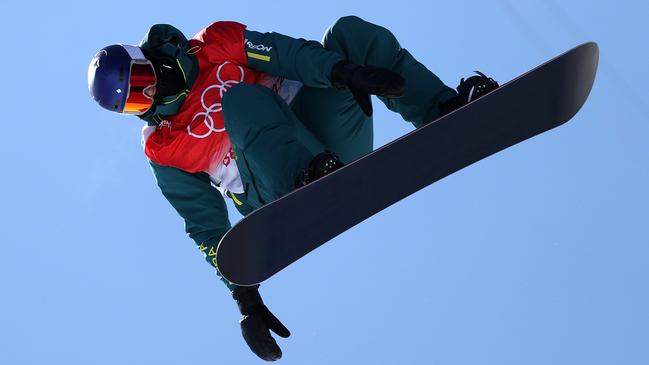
x: 193, y: 195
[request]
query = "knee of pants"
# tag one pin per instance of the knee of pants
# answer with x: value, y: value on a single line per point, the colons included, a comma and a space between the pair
x: 352, y: 31
x: 243, y: 107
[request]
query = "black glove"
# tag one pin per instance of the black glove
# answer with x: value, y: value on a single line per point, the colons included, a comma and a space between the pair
x: 365, y: 80
x: 257, y: 321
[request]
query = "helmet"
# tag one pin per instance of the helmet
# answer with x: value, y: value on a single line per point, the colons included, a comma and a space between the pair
x: 119, y: 77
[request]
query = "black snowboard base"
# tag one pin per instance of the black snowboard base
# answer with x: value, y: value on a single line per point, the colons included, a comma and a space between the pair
x: 279, y: 233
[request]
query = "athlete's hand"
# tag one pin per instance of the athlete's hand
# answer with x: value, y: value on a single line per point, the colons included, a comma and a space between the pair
x: 365, y: 80
x: 257, y: 322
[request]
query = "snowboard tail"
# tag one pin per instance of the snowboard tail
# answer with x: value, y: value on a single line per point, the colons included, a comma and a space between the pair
x: 279, y: 233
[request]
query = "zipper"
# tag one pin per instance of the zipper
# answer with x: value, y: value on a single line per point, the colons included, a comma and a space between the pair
x: 237, y: 201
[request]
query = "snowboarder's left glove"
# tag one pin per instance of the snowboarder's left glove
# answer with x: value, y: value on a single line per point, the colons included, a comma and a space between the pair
x: 365, y: 80
x: 257, y: 322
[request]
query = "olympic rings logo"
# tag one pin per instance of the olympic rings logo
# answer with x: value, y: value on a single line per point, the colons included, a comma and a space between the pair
x: 206, y: 114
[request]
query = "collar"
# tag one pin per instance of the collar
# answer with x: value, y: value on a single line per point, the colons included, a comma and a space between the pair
x: 167, y: 41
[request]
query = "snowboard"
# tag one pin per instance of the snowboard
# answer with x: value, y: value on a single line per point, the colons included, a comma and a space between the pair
x: 277, y: 234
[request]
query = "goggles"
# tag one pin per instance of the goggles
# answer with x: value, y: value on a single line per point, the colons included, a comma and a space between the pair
x: 141, y: 80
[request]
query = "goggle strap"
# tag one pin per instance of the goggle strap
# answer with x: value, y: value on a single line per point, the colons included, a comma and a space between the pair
x: 134, y: 52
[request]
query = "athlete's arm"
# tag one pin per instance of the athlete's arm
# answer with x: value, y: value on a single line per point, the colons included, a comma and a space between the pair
x: 294, y: 59
x: 199, y: 204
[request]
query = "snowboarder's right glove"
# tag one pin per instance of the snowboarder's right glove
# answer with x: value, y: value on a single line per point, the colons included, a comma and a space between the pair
x: 365, y: 80
x: 257, y: 322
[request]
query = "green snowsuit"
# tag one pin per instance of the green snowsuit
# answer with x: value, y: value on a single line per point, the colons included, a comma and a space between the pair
x: 274, y: 141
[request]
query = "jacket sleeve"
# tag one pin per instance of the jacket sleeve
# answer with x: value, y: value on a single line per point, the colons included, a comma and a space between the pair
x: 200, y: 205
x: 291, y: 58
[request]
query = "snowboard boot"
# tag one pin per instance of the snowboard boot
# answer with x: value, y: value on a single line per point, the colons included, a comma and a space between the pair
x: 470, y: 89
x: 321, y: 165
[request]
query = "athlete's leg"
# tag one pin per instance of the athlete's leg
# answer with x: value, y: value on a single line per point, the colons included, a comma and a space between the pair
x: 333, y: 115
x: 335, y: 118
x: 271, y: 144
x: 365, y: 43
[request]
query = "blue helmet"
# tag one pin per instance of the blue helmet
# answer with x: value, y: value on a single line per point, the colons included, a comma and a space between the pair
x: 122, y: 80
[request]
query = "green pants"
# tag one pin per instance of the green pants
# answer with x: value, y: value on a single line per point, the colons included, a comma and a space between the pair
x: 274, y: 141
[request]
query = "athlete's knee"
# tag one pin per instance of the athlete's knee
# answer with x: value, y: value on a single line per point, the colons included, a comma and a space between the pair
x: 340, y: 29
x: 347, y: 21
x: 238, y: 98
x: 237, y: 101
x: 353, y: 26
x: 238, y: 116
x: 249, y: 108
x: 351, y: 31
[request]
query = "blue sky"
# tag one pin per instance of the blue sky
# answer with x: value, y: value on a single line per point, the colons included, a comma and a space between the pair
x: 536, y: 255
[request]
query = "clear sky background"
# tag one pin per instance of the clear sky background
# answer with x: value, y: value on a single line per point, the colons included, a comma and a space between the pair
x: 537, y: 255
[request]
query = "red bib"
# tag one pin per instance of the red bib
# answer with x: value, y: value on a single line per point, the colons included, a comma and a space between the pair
x: 194, y: 139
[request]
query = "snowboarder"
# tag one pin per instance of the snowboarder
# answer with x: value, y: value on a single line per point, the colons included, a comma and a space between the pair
x: 251, y: 116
